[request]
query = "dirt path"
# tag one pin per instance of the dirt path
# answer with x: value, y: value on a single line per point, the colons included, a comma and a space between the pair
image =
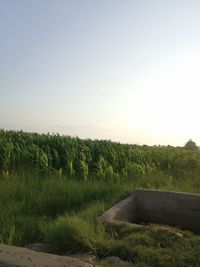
x: 11, y: 256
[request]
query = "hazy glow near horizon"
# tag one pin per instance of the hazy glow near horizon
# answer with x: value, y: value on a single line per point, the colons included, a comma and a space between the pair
x: 121, y: 70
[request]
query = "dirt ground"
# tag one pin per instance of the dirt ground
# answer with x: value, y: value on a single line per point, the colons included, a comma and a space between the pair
x: 11, y: 256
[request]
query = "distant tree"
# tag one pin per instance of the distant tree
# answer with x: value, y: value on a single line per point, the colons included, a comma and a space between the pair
x: 191, y: 145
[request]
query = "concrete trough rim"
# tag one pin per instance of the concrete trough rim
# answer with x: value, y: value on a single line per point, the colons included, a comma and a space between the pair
x: 163, y: 191
x: 182, y: 201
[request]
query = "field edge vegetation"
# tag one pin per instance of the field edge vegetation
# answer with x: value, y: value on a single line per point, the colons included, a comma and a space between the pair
x: 53, y: 188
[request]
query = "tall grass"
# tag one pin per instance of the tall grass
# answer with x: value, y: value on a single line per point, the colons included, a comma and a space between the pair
x: 28, y: 201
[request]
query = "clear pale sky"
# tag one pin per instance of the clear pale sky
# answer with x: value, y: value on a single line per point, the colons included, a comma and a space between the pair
x: 125, y: 70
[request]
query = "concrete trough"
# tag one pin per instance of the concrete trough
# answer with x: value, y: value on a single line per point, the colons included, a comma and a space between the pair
x: 176, y: 209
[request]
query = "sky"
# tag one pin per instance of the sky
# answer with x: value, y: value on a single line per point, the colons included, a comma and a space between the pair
x: 124, y: 70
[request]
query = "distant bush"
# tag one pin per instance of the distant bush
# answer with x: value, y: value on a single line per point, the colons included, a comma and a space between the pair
x: 191, y: 145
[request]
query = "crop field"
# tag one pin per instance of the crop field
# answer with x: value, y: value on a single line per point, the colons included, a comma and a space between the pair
x: 53, y: 188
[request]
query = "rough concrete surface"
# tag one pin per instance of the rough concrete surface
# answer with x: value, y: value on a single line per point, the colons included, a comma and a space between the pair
x: 11, y: 256
x: 41, y: 247
x: 125, y: 210
x: 155, y: 206
x: 117, y: 262
x: 85, y: 257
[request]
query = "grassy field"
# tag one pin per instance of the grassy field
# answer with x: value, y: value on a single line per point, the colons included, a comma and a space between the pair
x: 42, y: 200
x: 38, y: 207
